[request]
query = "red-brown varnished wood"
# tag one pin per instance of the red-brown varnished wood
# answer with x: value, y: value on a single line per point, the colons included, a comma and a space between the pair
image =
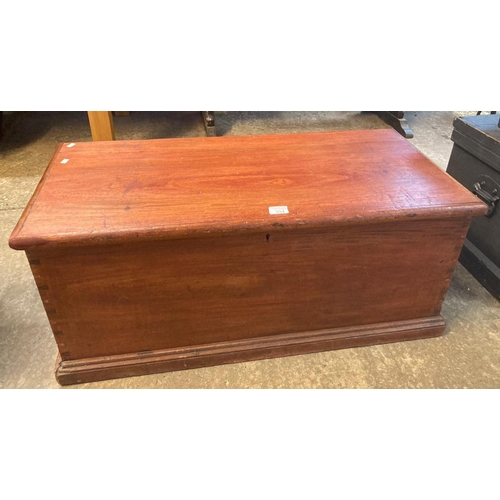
x: 162, y: 255
x: 147, y: 363
x: 177, y: 188
x: 142, y: 296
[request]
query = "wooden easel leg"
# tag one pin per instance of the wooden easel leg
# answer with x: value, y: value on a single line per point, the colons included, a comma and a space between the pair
x: 101, y: 125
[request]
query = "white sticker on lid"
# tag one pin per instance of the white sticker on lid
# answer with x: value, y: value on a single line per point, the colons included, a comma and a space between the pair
x: 278, y: 210
x: 71, y: 145
x: 65, y: 160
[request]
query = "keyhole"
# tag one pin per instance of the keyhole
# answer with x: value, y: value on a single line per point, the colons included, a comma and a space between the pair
x: 267, y: 238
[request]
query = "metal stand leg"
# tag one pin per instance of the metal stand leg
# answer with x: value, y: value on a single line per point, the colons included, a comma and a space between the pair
x: 209, y: 122
x: 397, y: 120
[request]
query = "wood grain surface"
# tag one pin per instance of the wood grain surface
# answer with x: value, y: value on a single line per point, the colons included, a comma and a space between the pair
x: 101, y: 125
x: 144, y: 296
x: 178, y: 188
x: 147, y: 363
x: 162, y: 255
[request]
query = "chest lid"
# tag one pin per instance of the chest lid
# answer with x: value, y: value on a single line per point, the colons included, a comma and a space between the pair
x: 100, y: 192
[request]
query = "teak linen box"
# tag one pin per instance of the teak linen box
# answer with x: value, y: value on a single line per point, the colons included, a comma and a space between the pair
x: 161, y: 255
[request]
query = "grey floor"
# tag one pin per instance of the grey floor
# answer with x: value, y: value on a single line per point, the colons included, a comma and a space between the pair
x: 467, y: 356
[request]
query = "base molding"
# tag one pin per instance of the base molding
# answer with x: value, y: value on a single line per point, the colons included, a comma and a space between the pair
x: 149, y: 362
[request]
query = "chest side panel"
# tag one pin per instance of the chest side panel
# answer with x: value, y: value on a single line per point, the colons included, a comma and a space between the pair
x: 117, y: 299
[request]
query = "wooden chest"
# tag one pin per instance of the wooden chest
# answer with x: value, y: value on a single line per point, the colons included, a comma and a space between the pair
x: 169, y: 254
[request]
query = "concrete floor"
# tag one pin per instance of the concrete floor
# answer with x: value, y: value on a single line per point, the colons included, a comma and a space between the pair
x: 468, y: 356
